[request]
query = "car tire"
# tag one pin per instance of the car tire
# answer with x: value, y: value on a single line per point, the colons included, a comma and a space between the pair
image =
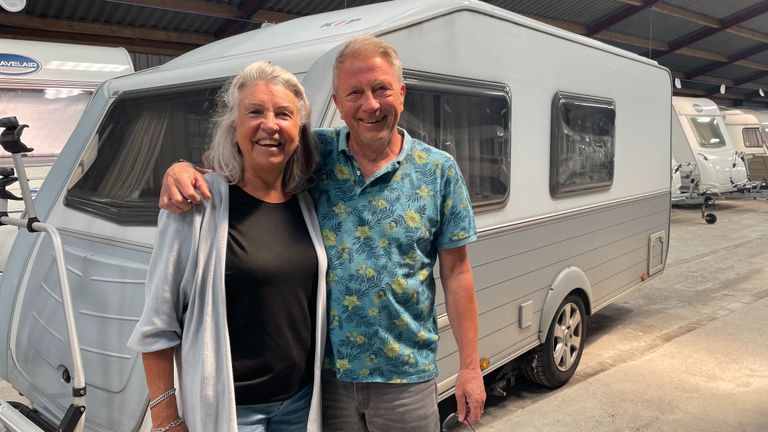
x: 553, y: 363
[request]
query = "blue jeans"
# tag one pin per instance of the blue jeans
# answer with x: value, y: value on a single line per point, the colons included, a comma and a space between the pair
x: 287, y: 416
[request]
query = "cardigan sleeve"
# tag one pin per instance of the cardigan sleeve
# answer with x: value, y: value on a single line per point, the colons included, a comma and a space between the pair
x: 169, y: 280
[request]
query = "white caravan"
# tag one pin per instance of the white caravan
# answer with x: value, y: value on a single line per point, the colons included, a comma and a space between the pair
x: 48, y: 85
x: 749, y: 136
x: 709, y: 165
x: 567, y: 166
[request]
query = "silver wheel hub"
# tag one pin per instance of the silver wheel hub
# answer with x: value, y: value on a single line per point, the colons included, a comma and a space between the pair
x: 567, y: 336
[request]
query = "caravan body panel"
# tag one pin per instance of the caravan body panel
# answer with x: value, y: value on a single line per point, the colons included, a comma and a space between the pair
x: 527, y: 236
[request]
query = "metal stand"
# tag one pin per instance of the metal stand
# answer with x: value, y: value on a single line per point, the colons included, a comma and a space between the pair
x: 10, y: 139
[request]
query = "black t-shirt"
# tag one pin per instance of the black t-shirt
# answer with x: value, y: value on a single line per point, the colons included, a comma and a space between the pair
x: 271, y: 290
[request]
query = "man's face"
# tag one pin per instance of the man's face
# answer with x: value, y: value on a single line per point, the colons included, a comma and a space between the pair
x: 370, y: 99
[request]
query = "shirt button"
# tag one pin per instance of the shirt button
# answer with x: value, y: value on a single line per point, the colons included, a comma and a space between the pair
x: 358, y: 172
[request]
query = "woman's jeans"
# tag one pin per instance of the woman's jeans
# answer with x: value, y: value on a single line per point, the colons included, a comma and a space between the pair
x: 287, y: 416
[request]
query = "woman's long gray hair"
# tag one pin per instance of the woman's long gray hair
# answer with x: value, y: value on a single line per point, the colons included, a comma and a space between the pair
x: 224, y: 155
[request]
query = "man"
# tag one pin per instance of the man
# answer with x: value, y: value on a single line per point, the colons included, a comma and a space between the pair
x: 389, y: 206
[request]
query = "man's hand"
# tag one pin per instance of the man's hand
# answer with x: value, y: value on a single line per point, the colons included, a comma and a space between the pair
x: 181, y: 184
x: 470, y: 395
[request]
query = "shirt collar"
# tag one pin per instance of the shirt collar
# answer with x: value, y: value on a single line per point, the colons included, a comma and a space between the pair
x: 407, y: 144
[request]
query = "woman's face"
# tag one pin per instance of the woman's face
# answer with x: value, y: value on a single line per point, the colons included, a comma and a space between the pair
x: 267, y: 126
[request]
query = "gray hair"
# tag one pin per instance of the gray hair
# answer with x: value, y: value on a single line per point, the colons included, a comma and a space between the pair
x: 368, y: 46
x: 224, y: 155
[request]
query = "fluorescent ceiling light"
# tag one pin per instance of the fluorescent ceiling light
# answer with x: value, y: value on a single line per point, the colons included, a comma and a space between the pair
x: 81, y: 66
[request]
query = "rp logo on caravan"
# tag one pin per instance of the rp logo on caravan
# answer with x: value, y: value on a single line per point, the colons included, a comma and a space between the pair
x: 340, y: 23
x: 15, y: 64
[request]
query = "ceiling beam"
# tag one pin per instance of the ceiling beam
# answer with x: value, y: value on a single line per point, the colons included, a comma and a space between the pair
x: 725, y: 23
x: 630, y: 40
x: 618, y: 16
x: 689, y: 92
x: 756, y: 95
x: 740, y: 81
x: 148, y: 47
x: 752, y: 65
x: 87, y: 30
x: 272, y: 17
x: 707, y: 55
x: 247, y: 9
x: 565, y: 25
x: 738, y: 57
x: 196, y: 7
x: 700, y: 19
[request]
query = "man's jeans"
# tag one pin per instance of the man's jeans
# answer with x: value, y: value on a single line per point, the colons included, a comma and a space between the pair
x: 287, y: 416
x: 379, y: 407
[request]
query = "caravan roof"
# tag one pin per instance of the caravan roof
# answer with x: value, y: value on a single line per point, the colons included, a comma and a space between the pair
x: 310, y: 37
x: 740, y: 117
x: 695, y: 106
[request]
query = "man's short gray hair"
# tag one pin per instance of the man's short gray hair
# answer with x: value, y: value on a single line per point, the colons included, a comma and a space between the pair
x: 224, y: 155
x: 368, y: 46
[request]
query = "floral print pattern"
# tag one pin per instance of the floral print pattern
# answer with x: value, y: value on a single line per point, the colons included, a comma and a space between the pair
x: 382, y: 237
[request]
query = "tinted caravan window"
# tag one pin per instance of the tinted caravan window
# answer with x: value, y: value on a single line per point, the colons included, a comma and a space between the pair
x: 707, y: 131
x: 582, y: 145
x: 752, y: 137
x: 141, y: 136
x: 469, y: 120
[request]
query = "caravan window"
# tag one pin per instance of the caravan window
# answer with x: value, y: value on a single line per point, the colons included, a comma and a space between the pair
x: 707, y: 131
x: 51, y: 114
x: 582, y: 145
x: 752, y: 137
x: 140, y: 137
x: 469, y: 120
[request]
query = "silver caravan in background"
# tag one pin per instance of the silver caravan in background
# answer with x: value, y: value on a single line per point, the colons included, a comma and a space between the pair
x: 749, y: 136
x: 709, y: 165
x: 49, y: 85
x: 567, y: 166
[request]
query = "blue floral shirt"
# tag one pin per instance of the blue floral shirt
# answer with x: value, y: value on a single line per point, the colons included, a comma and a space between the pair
x: 382, y: 238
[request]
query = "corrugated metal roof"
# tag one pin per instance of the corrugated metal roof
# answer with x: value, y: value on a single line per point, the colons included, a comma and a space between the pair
x: 584, y: 12
x: 630, y: 48
x: 652, y: 24
x: 731, y: 72
x: 145, y: 61
x: 760, y: 58
x: 111, y: 12
x: 714, y: 8
x: 758, y: 24
x: 647, y: 25
x: 311, y: 7
x: 725, y: 43
x: 681, y: 63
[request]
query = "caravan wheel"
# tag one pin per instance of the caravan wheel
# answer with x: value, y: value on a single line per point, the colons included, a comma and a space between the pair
x: 553, y: 363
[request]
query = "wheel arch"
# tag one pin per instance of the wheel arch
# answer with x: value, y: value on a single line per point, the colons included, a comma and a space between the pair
x: 570, y: 280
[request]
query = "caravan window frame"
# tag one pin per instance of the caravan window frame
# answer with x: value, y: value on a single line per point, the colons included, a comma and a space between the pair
x: 757, y: 133
x: 498, y: 153
x: 142, y: 211
x: 562, y: 151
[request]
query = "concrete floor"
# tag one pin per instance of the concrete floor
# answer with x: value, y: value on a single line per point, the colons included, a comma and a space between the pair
x: 686, y: 352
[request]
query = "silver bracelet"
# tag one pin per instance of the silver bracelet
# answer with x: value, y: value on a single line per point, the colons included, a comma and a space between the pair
x: 169, y: 426
x: 156, y: 401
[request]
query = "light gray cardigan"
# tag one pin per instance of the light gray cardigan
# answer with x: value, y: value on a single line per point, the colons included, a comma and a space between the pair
x: 186, y: 309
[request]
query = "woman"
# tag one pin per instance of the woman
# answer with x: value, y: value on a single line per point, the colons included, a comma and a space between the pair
x: 237, y: 286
